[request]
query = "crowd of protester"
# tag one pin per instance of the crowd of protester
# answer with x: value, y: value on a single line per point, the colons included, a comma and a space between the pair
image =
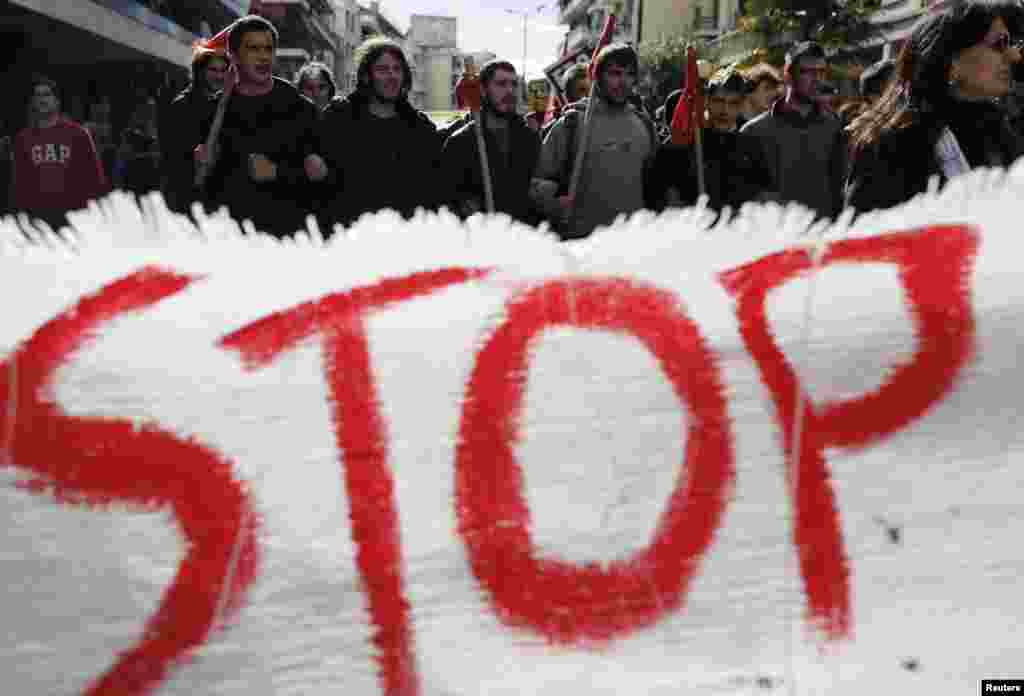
x: 282, y: 150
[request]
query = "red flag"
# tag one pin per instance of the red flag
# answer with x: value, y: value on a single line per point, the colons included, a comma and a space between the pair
x: 468, y: 93
x: 217, y: 43
x: 689, y: 113
x: 606, y: 38
x: 553, y: 109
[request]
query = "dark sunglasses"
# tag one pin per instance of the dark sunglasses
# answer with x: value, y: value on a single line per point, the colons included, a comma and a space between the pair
x: 1003, y: 42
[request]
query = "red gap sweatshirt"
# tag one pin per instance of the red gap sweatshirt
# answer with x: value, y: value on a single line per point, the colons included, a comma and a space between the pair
x: 56, y: 168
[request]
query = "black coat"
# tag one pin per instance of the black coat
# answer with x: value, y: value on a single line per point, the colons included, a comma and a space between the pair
x: 806, y: 154
x: 511, y: 183
x: 368, y: 174
x: 735, y: 170
x: 899, y: 164
x: 448, y: 130
x: 281, y: 126
x: 181, y: 129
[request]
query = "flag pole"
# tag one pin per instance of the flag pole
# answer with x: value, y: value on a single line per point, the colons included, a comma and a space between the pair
x: 581, y: 151
x: 697, y: 104
x: 469, y: 91
x: 218, y: 43
x: 485, y: 167
x: 203, y: 169
x: 698, y: 149
x: 588, y: 122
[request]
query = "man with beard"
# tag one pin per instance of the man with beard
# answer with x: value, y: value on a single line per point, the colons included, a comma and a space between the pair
x: 56, y: 168
x: 804, y: 144
x: 381, y: 152
x: 512, y: 149
x: 618, y: 158
x: 266, y: 152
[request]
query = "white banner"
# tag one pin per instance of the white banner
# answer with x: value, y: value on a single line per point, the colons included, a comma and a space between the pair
x: 435, y: 459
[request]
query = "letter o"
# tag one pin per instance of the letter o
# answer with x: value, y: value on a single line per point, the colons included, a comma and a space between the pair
x: 566, y: 602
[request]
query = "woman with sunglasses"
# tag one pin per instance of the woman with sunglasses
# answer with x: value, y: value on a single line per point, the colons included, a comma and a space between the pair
x: 943, y: 113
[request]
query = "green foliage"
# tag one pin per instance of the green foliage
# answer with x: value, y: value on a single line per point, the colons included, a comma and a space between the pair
x: 833, y: 23
x: 664, y: 60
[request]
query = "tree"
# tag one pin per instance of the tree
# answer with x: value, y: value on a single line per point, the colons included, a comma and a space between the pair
x: 663, y: 60
x: 833, y: 23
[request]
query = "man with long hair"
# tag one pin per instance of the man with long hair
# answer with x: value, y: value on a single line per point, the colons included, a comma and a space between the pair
x: 512, y: 149
x: 56, y: 168
x: 803, y: 143
x: 266, y: 154
x: 381, y: 152
x: 618, y: 159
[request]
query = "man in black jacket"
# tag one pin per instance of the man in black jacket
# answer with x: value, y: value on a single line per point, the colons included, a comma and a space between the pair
x: 381, y: 153
x: 267, y: 150
x: 512, y: 150
x: 735, y: 170
x: 803, y: 143
x: 181, y: 125
x: 617, y: 161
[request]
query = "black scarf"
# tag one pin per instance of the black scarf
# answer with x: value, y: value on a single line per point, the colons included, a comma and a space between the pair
x: 983, y: 132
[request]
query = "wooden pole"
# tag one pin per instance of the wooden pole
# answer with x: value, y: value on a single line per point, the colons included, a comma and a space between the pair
x: 581, y: 151
x: 698, y: 147
x: 485, y: 168
x: 203, y: 169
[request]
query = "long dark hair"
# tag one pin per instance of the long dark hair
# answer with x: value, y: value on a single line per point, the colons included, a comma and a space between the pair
x: 919, y: 89
x: 367, y: 54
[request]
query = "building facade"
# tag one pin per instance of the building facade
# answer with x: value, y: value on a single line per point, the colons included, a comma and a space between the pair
x: 895, y: 20
x: 373, y: 21
x: 479, y: 58
x: 436, y: 61
x: 347, y: 29
x: 585, y: 19
x: 661, y: 19
x: 306, y: 29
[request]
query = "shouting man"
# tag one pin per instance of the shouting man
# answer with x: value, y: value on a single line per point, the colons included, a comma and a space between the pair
x: 382, y: 153
x: 512, y: 150
x: 266, y: 153
x: 56, y: 168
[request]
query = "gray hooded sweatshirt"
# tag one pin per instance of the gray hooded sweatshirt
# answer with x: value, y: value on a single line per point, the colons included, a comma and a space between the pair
x: 612, y: 182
